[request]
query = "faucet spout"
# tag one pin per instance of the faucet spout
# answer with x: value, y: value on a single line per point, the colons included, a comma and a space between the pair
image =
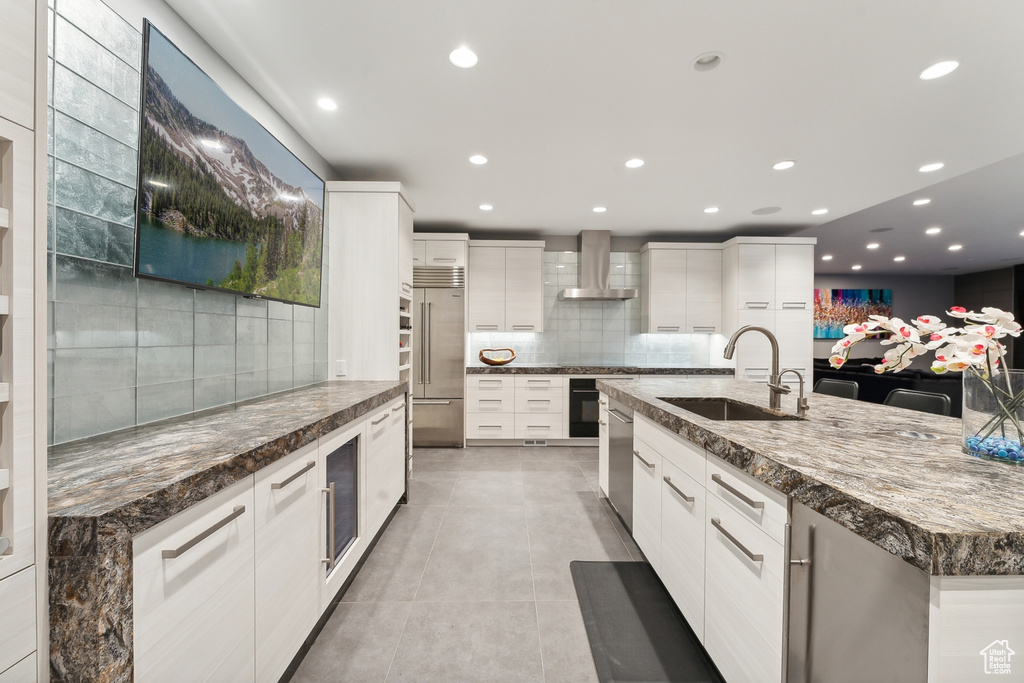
x: 775, y: 388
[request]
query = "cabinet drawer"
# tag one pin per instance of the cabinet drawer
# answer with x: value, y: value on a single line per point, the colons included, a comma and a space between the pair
x: 647, y: 501
x: 484, y: 403
x: 194, y: 613
x: 539, y: 400
x: 537, y: 383
x: 743, y: 622
x: 287, y: 499
x: 761, y: 505
x: 18, y: 616
x: 444, y: 253
x: 682, y: 543
x: 491, y: 385
x: 485, y: 426
x: 539, y: 426
x: 687, y: 456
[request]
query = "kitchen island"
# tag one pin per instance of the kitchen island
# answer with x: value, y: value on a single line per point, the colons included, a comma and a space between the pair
x: 957, y: 521
x: 107, y: 492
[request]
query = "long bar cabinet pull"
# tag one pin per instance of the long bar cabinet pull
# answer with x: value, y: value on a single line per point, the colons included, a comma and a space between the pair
x: 182, y: 549
x: 717, y: 523
x: 281, y: 484
x: 756, y: 504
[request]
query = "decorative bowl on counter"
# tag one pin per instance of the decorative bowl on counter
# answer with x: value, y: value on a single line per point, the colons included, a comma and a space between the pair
x: 499, y: 359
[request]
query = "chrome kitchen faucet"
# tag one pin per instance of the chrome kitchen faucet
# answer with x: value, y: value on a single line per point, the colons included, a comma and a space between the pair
x: 775, y: 387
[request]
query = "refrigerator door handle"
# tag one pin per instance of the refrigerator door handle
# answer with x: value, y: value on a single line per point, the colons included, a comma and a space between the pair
x: 421, y: 355
x: 426, y: 350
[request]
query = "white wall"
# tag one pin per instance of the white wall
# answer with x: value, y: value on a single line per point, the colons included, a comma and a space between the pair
x: 912, y: 295
x: 199, y: 51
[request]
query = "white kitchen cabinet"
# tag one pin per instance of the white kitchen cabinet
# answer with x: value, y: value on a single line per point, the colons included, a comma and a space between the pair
x: 794, y: 330
x: 539, y: 407
x: 685, y: 455
x: 755, y: 501
x: 18, y: 616
x: 491, y: 425
x: 486, y: 289
x: 381, y: 472
x: 524, y: 289
x: 703, y: 291
x: 794, y: 276
x: 397, y: 451
x: 756, y: 276
x: 647, y: 501
x: 445, y: 253
x: 505, y: 286
x: 23, y: 671
x: 419, y: 253
x: 194, y: 592
x: 287, y: 559
x: 663, y: 290
x: 369, y: 218
x: 682, y: 543
x: 743, y: 599
x: 602, y: 444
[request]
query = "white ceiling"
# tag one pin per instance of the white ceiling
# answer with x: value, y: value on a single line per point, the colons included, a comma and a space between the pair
x: 567, y: 90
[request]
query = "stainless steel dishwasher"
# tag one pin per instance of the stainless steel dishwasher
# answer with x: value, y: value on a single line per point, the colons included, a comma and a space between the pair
x: 620, y: 460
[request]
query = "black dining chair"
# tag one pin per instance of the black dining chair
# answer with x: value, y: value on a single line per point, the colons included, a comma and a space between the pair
x: 925, y: 401
x: 843, y: 388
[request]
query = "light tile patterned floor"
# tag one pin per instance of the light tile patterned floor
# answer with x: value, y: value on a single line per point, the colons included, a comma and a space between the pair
x: 471, y: 581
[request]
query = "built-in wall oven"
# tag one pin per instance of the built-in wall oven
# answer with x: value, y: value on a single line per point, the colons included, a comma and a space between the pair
x: 583, y: 408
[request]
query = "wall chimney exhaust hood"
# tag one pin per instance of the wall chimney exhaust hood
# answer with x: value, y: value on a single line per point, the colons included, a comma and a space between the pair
x: 594, y: 268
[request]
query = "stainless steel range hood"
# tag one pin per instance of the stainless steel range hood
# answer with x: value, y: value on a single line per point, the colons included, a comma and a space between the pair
x: 595, y: 265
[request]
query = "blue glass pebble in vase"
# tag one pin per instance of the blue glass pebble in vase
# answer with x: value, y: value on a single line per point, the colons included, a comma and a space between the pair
x: 993, y: 414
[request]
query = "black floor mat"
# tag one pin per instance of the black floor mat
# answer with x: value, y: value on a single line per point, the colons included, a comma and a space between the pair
x: 636, y: 632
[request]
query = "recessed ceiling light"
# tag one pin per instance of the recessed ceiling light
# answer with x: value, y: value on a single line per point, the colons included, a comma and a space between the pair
x: 921, y: 202
x: 873, y: 245
x: 212, y: 144
x: 634, y: 163
x: 478, y: 159
x: 462, y: 57
x: 327, y: 104
x: 711, y: 209
x: 1021, y: 232
x: 486, y: 207
x: 855, y: 267
x: 783, y: 165
x: 956, y: 247
x: 819, y: 212
x: 933, y: 231
x: 939, y: 69
x: 928, y: 168
x: 899, y: 259
x: 707, y: 61
x: 826, y: 257
x: 600, y: 209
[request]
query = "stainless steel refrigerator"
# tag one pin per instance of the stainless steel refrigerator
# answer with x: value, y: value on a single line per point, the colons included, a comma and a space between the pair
x: 439, y: 366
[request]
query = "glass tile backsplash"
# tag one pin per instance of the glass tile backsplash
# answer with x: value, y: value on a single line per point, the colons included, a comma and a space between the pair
x: 123, y: 351
x: 598, y: 332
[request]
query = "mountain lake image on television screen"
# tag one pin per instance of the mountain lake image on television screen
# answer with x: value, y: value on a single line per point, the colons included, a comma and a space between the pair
x: 222, y: 203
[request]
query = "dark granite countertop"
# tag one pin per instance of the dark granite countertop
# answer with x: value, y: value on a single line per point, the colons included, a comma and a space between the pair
x: 142, y: 475
x: 513, y: 369
x: 942, y: 510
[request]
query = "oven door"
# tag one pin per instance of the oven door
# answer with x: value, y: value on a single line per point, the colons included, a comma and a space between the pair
x: 584, y: 410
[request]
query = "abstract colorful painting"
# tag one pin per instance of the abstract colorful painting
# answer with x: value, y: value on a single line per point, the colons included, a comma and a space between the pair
x: 836, y: 308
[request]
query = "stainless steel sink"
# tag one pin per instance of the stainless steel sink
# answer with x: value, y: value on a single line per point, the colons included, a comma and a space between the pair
x: 725, y: 409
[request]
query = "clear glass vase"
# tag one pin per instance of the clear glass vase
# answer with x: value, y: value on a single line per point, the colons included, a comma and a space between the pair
x: 993, y: 414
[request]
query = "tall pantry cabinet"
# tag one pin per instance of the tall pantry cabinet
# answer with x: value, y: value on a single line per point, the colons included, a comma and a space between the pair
x: 769, y: 282
x: 23, y: 612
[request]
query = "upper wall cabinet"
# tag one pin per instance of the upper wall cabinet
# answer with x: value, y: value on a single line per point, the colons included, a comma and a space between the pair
x: 367, y: 301
x: 506, y: 286
x: 681, y: 288
x: 431, y: 252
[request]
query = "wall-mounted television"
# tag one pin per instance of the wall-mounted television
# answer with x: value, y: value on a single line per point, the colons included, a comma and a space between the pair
x: 222, y: 204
